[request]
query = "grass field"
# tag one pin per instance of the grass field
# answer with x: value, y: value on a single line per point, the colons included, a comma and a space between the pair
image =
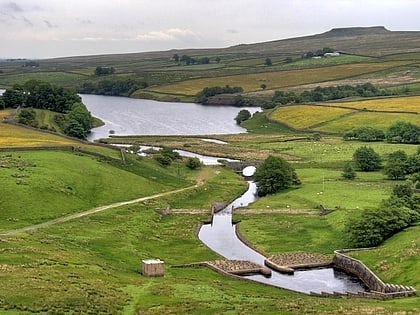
x: 377, y: 120
x: 276, y: 80
x: 305, y: 116
x: 65, y: 79
x: 43, y: 185
x: 394, y: 104
x: 341, y: 117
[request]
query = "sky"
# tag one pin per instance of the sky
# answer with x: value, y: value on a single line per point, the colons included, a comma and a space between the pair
x: 59, y: 28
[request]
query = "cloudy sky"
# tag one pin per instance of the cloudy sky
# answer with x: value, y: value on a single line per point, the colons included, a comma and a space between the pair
x: 52, y: 28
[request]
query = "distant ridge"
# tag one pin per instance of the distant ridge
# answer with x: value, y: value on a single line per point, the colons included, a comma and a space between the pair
x: 375, y: 41
x: 372, y: 41
x: 351, y: 31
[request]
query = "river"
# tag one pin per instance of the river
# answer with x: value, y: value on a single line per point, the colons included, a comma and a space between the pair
x: 221, y: 237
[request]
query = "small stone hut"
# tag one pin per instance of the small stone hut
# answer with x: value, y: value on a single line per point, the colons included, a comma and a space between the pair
x: 153, y: 268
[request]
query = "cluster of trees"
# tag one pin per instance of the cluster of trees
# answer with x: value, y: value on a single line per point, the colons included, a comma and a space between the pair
x: 371, y: 227
x: 275, y: 174
x: 403, y: 132
x: 72, y: 115
x: 167, y: 155
x: 42, y: 95
x: 99, y: 71
x: 319, y: 52
x: 366, y: 134
x: 188, y: 60
x: 400, y: 132
x: 207, y: 92
x: 113, y: 87
x: 321, y: 94
x: 398, y: 164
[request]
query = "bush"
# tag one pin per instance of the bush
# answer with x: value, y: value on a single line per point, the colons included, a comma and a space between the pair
x: 193, y: 163
x: 348, y: 172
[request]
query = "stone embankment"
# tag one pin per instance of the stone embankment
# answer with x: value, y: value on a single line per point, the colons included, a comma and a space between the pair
x: 239, y: 267
x: 287, y: 263
x: 378, y: 289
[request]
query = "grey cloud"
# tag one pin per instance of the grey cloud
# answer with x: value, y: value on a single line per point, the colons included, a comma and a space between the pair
x: 13, y: 6
x: 27, y: 21
x: 49, y: 24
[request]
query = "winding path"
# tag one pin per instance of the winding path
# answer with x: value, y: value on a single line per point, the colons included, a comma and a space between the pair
x: 94, y: 210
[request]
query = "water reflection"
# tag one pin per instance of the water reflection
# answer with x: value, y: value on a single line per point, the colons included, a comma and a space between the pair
x: 221, y: 237
x: 128, y: 116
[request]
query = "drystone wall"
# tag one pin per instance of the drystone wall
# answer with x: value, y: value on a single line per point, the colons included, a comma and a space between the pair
x: 377, y: 287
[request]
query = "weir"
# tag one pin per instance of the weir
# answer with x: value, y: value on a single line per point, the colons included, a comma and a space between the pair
x: 221, y: 236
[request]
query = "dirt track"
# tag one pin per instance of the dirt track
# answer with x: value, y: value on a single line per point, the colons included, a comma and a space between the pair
x: 92, y: 211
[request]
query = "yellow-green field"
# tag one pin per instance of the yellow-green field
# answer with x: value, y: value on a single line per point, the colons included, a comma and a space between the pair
x: 337, y: 119
x: 278, y: 79
x: 305, y: 116
x: 358, y: 119
x: 15, y: 136
x: 406, y: 104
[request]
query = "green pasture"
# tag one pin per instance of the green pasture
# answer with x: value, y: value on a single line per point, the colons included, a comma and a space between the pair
x: 42, y: 185
x: 321, y: 62
x: 326, y: 187
x: 359, y: 119
x: 305, y: 116
x: 409, y: 104
x: 276, y: 80
x: 96, y: 267
x: 397, y: 259
x: 45, y: 119
x: 65, y: 79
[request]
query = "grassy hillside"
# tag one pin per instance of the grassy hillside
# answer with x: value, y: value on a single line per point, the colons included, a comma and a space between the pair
x: 367, y: 51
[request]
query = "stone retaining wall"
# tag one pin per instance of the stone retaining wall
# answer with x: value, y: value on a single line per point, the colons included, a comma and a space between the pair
x: 378, y: 288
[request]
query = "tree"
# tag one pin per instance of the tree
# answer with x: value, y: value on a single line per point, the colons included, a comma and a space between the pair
x: 273, y: 175
x: 14, y: 97
x: 104, y: 71
x: 75, y: 129
x: 397, y: 165
x: 348, y: 171
x: 367, y: 159
x: 242, y: 116
x: 263, y: 86
x: 27, y: 116
x: 268, y: 62
x: 175, y: 58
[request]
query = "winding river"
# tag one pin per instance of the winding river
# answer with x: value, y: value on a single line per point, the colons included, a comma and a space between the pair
x: 221, y: 237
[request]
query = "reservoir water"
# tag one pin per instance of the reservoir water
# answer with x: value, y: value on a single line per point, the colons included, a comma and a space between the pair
x: 128, y: 116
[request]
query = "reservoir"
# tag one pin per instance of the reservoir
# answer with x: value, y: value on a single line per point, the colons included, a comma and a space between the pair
x: 128, y: 116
